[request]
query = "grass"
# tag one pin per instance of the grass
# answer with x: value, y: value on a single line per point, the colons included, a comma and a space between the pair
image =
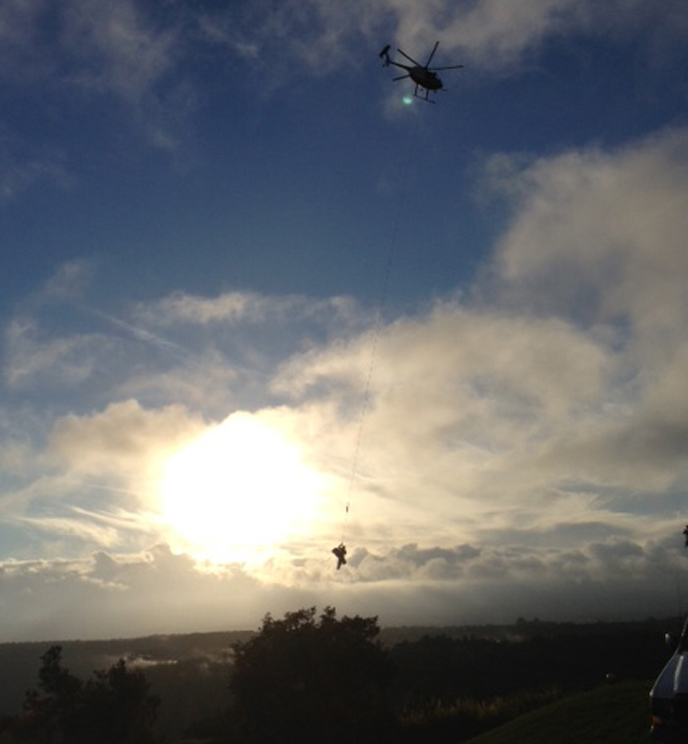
x: 445, y: 723
x: 614, y: 714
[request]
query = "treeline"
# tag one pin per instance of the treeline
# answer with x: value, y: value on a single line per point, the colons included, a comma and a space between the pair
x: 114, y: 706
x: 452, y: 689
x: 440, y: 667
x: 307, y: 677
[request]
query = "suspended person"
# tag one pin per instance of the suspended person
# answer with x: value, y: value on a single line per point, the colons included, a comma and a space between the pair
x: 340, y: 552
x: 685, y: 535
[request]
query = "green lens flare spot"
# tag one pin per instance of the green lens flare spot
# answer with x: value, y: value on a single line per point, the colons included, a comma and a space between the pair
x: 407, y: 100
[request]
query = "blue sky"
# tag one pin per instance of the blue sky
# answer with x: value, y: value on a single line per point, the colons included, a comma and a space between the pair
x: 247, y: 285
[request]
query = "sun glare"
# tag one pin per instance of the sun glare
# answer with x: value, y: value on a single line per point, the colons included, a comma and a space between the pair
x: 237, y: 491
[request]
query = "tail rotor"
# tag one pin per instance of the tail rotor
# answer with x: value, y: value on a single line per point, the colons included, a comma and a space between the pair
x: 384, y: 55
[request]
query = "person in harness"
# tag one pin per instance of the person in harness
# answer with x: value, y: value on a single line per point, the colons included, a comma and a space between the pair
x: 340, y: 552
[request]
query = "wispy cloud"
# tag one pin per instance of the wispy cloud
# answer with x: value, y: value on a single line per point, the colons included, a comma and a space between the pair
x: 23, y: 166
x: 493, y: 35
x: 100, y: 49
x: 34, y: 359
x: 247, y: 307
x: 122, y: 50
x: 19, y: 40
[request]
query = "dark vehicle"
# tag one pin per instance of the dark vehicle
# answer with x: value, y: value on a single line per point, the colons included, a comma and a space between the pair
x: 669, y: 696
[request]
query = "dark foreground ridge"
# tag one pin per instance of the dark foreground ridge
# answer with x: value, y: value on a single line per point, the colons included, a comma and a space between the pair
x: 448, y: 684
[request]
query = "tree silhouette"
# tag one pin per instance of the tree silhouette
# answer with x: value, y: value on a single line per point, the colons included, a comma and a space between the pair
x: 306, y: 679
x: 113, y: 707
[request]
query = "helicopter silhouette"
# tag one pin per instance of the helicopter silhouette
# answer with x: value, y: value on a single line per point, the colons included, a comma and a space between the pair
x: 423, y: 76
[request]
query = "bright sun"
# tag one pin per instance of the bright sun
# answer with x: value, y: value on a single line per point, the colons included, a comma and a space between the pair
x: 237, y: 491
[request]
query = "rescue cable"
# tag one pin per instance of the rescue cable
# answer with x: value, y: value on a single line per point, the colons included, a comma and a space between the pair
x: 340, y: 550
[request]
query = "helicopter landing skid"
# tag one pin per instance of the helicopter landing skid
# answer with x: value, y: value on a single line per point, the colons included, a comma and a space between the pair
x: 423, y: 98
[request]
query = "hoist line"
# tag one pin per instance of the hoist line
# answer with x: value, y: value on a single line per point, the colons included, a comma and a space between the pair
x: 378, y: 321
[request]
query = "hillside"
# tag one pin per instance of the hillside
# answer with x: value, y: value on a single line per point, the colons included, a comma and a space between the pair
x: 614, y: 714
x: 441, y: 675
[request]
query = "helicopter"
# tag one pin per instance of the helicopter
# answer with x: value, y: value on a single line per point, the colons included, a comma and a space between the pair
x: 423, y: 76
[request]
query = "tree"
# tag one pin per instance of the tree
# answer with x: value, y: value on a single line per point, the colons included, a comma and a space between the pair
x: 113, y: 707
x: 306, y: 679
x: 117, y: 704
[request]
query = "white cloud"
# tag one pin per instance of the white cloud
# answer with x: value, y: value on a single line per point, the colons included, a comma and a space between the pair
x: 107, y: 49
x: 234, y: 307
x: 208, y: 382
x: 492, y: 34
x: 124, y: 438
x: 19, y: 58
x: 460, y: 405
x: 599, y: 234
x: 68, y: 281
x: 125, y: 52
x: 114, y: 48
x: 115, y: 451
x: 496, y: 34
x: 34, y: 358
x: 22, y: 166
x: 20, y: 175
x: 65, y: 530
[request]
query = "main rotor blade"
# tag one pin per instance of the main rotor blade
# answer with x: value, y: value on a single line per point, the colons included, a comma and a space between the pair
x: 450, y: 67
x: 401, y: 77
x: 432, y: 54
x: 417, y: 64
